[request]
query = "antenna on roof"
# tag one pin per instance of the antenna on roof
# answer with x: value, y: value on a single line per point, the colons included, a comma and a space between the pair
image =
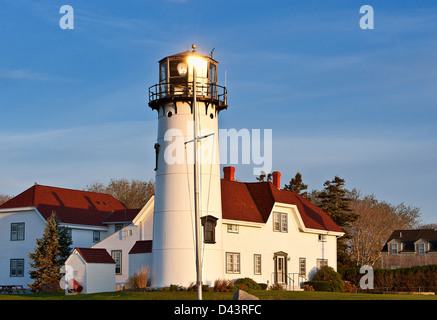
x: 210, y: 55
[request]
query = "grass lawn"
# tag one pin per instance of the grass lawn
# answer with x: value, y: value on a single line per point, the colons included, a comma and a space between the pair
x: 184, y: 295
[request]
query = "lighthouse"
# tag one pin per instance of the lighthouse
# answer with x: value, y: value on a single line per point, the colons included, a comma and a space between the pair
x: 187, y: 218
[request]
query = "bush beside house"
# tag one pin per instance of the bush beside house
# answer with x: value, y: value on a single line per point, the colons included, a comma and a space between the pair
x: 422, y: 278
x: 326, y: 279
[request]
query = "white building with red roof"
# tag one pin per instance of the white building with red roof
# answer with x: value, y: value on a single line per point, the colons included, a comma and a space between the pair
x: 92, y: 269
x: 90, y: 217
x: 268, y: 234
x: 271, y: 235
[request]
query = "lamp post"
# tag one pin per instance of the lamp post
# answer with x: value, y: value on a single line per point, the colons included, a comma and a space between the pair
x: 196, y: 192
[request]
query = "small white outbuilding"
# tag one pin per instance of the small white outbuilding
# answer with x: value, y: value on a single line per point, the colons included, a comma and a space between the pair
x: 93, y: 269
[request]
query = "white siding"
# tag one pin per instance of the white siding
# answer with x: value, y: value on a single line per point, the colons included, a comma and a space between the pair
x: 82, y: 236
x: 100, y: 277
x: 19, y: 249
x: 122, y: 240
x: 93, y: 277
x: 260, y: 239
x: 78, y: 266
x: 137, y: 260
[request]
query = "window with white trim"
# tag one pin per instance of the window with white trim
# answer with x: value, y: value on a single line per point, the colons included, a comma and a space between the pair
x: 284, y: 222
x: 17, y: 268
x: 232, y: 228
x: 232, y: 262
x: 302, y: 267
x: 116, y: 255
x: 280, y: 222
x: 321, y: 263
x: 257, y: 264
x: 420, y: 248
x: 96, y: 236
x: 17, y: 231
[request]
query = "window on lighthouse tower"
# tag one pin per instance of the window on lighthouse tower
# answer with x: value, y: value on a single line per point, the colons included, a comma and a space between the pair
x: 208, y: 224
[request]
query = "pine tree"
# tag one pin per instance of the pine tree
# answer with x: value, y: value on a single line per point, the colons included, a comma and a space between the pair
x: 334, y: 201
x: 46, y: 262
x: 297, y: 186
x: 65, y: 244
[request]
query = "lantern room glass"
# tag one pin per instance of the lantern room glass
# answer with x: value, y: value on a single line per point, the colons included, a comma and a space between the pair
x: 176, y: 77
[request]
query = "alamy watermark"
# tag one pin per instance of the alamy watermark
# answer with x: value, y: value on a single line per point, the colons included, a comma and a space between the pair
x: 367, y: 20
x: 367, y: 280
x: 236, y: 147
x: 67, y: 20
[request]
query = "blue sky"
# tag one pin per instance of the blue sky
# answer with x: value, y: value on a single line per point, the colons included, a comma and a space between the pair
x: 340, y: 100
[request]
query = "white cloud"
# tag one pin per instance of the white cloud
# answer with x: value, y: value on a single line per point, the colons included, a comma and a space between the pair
x: 20, y: 74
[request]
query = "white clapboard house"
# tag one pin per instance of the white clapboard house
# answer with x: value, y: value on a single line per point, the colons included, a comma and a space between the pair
x: 90, y: 217
x: 268, y: 234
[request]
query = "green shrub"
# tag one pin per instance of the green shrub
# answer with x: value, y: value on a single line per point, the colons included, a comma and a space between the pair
x: 263, y: 286
x: 319, y: 285
x: 329, y: 275
x: 246, y: 284
x: 422, y: 278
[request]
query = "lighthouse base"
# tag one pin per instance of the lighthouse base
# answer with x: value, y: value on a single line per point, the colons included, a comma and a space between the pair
x: 178, y: 267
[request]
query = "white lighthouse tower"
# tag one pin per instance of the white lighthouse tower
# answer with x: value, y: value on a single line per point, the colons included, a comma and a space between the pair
x: 187, y: 222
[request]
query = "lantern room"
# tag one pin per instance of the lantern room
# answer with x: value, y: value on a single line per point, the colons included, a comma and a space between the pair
x: 185, y: 74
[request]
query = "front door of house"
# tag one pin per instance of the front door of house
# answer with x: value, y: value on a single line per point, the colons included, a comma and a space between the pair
x: 280, y: 270
x: 280, y: 267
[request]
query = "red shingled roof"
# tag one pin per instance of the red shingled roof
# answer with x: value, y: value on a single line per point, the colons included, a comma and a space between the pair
x: 141, y: 246
x: 121, y: 215
x: 95, y: 255
x: 254, y: 202
x: 251, y: 202
x: 70, y: 206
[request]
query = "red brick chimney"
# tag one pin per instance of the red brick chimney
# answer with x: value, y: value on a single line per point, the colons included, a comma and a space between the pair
x: 229, y: 173
x: 277, y: 179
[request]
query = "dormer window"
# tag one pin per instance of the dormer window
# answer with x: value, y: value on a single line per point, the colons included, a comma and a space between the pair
x: 394, y: 248
x: 420, y: 248
x: 280, y: 223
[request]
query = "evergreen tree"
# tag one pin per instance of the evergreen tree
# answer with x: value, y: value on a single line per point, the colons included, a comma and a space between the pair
x: 45, y: 259
x: 65, y: 244
x: 334, y: 201
x: 297, y: 186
